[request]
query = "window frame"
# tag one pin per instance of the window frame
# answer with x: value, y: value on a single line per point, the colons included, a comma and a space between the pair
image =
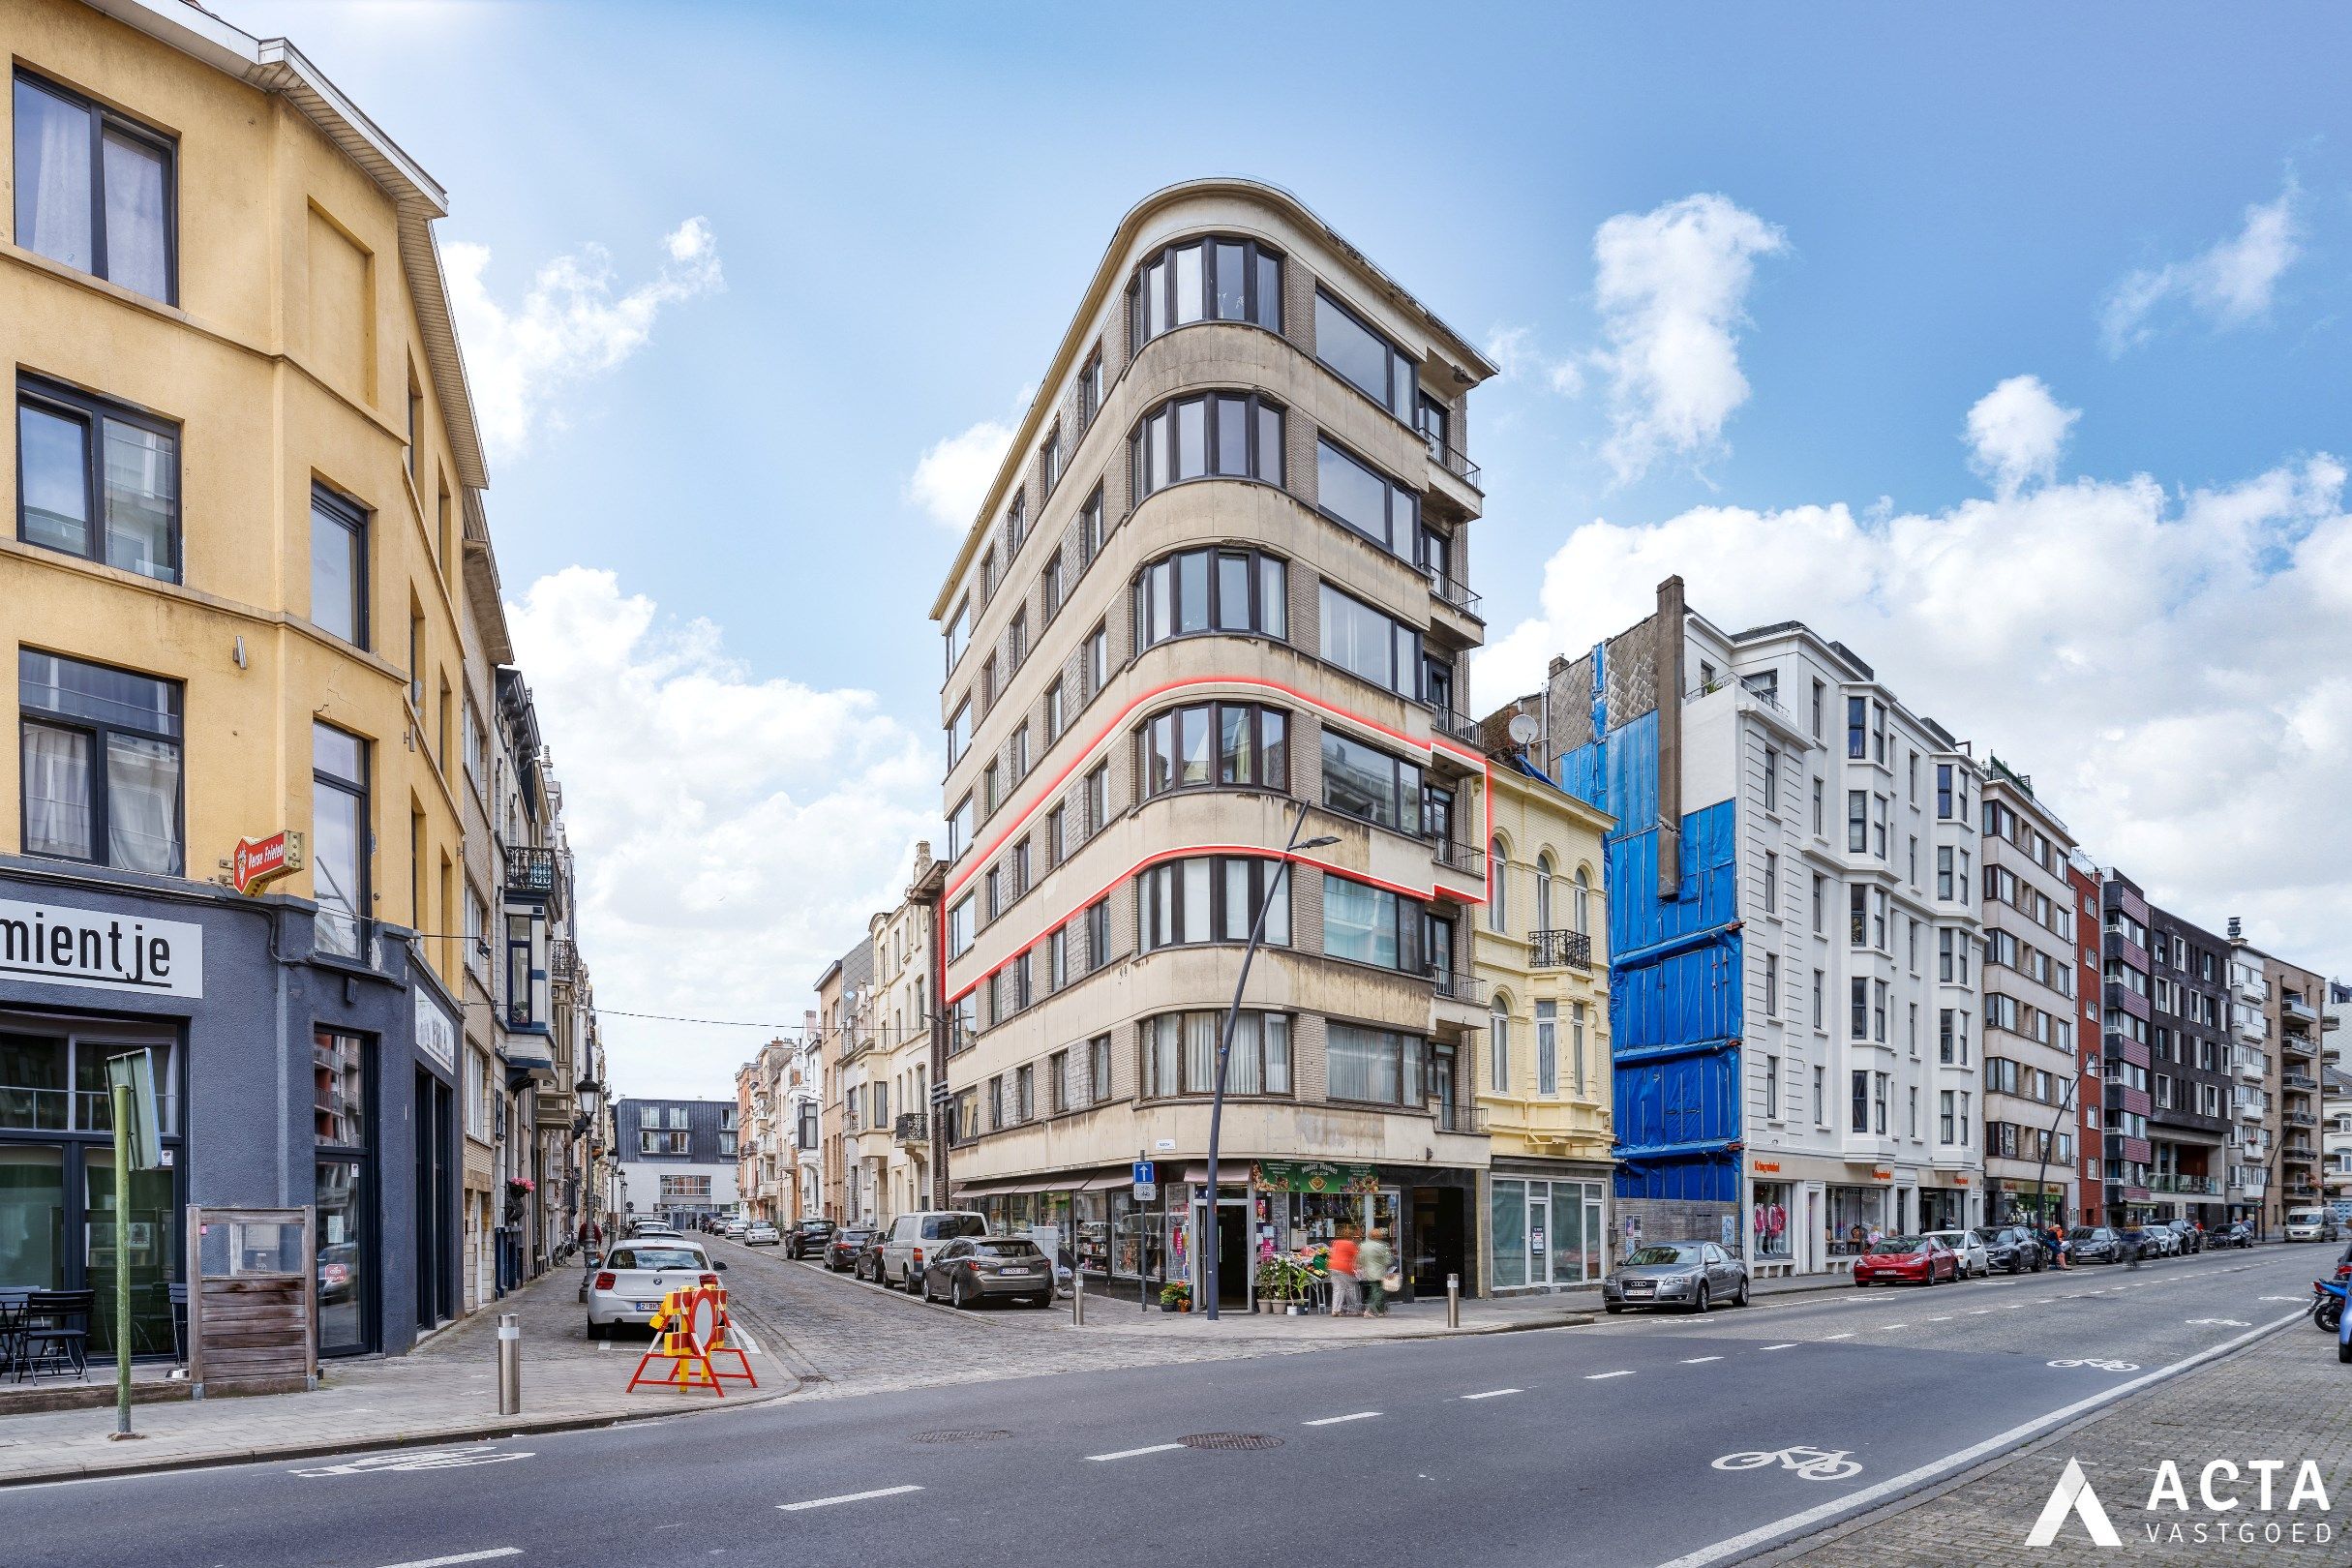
x: 93, y: 413
x: 1147, y: 754
x: 1410, y: 391
x: 97, y: 732
x: 348, y: 514
x: 1165, y: 880
x: 1150, y: 472
x: 1405, y: 535
x: 1257, y: 559
x: 363, y: 790
x: 1254, y: 306
x: 103, y: 119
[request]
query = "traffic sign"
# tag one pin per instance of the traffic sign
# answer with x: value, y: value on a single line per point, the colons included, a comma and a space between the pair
x: 1146, y: 1191
x: 1146, y: 1173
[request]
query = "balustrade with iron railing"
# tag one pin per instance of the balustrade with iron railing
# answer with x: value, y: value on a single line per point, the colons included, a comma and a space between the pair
x: 530, y: 869
x: 1466, y: 989
x: 1559, y: 950
x: 1453, y: 590
x: 1456, y: 856
x: 911, y: 1127
x: 1452, y: 460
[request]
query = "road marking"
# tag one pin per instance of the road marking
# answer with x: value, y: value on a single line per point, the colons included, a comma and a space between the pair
x: 1492, y: 1393
x: 2013, y: 1306
x: 1882, y: 1327
x: 463, y: 1556
x: 847, y: 1497
x: 1788, y: 1345
x: 1696, y: 1360
x: 1944, y: 1317
x: 1828, y: 1336
x: 1595, y: 1378
x: 1131, y: 1453
x: 2216, y: 1322
x: 1332, y: 1421
x: 1978, y: 1311
x: 431, y: 1458
x: 1748, y: 1541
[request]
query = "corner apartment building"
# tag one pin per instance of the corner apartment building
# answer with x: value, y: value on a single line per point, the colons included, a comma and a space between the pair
x: 2033, y: 1070
x: 1795, y: 986
x: 678, y: 1156
x: 2251, y: 1141
x: 1217, y: 592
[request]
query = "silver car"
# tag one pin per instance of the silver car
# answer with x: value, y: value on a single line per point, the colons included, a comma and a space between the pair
x: 1689, y: 1273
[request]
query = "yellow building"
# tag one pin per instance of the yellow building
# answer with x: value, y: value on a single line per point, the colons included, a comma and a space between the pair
x: 230, y: 593
x: 1544, y: 1080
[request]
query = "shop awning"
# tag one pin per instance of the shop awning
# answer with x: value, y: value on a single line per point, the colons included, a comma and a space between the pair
x: 1106, y: 1181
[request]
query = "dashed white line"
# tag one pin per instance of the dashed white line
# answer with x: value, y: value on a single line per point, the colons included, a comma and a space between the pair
x: 463, y: 1556
x: 1846, y: 1336
x: 1332, y: 1421
x: 2013, y: 1306
x: 1788, y: 1345
x: 1594, y: 1377
x: 845, y: 1497
x: 1978, y: 1311
x: 1492, y: 1393
x: 1131, y: 1453
x: 1882, y: 1327
x: 1697, y: 1360
x: 1944, y: 1317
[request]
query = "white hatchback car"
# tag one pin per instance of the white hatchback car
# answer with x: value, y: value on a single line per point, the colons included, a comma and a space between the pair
x: 635, y: 1276
x: 1969, y: 1247
x: 760, y: 1233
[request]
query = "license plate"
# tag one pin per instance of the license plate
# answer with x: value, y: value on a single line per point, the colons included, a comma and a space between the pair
x: 1641, y: 1288
x: 644, y: 1306
x: 1016, y: 1271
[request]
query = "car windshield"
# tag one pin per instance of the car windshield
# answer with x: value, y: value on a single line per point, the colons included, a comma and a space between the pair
x: 1901, y: 1244
x: 1665, y: 1252
x: 656, y: 1258
x: 1006, y: 1248
x: 1989, y: 1236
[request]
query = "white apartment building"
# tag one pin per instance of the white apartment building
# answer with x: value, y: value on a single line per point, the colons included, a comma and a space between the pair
x: 2252, y: 1141
x: 2032, y: 1064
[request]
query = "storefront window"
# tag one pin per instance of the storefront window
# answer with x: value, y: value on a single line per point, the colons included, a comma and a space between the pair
x: 1546, y: 1233
x: 1771, y: 1220
x: 342, y: 1089
x: 149, y: 1247
x: 1509, y: 1206
x: 32, y: 1218
x: 1851, y: 1207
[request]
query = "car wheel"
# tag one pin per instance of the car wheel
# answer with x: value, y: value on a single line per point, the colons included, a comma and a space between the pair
x: 955, y: 1293
x: 1741, y: 1298
x: 1611, y: 1307
x: 1699, y: 1303
x: 1042, y: 1303
x: 599, y: 1331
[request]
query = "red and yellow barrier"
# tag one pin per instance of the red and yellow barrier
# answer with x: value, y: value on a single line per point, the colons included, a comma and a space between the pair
x: 689, y: 1331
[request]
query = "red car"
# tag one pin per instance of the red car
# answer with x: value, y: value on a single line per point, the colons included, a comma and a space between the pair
x: 1907, y: 1260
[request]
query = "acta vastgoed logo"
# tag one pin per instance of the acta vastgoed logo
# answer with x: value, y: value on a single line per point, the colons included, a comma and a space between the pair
x: 2218, y: 1512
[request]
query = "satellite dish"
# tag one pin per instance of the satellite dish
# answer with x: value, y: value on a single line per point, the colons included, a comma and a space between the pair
x: 1522, y: 728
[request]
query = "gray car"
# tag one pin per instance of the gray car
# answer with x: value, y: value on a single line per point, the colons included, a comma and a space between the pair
x: 975, y: 1268
x: 1689, y: 1273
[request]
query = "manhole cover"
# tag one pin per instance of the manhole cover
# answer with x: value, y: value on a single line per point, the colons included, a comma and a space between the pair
x: 1230, y: 1439
x: 960, y: 1436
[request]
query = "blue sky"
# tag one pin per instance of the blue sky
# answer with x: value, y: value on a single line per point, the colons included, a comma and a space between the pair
x: 904, y: 202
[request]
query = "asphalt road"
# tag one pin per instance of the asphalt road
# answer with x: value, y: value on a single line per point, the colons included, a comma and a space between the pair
x: 1565, y: 1446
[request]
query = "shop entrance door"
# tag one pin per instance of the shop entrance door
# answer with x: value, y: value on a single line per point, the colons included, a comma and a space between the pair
x: 1234, y: 1275
x: 1539, y: 1232
x: 1439, y: 1241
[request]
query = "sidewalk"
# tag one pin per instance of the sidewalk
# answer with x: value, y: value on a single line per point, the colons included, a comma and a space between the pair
x: 2281, y: 1397
x: 446, y: 1390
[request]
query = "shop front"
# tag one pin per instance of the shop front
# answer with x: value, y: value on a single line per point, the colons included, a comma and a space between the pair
x: 1944, y: 1201
x: 1548, y: 1225
x: 2009, y: 1201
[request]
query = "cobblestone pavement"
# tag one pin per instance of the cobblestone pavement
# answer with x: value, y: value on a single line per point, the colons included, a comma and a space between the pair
x: 2281, y: 1397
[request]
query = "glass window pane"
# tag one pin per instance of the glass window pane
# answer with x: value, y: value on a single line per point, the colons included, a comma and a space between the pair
x: 1508, y: 1208
x: 1232, y: 435
x: 144, y: 804
x: 1278, y: 911
x: 1197, y: 902
x: 1358, y: 780
x: 1270, y: 444
x: 1269, y: 292
x: 148, y: 1247
x: 143, y: 477
x: 57, y: 795
x: 54, y: 453
x: 1347, y: 347
x: 1192, y: 747
x: 1239, y: 911
x: 336, y: 753
x: 334, y: 840
x: 1352, y: 493
x: 1156, y: 454
x: 137, y: 245
x: 1233, y: 281
x: 1192, y: 591
x: 1192, y: 439
x: 1273, y: 736
x: 31, y: 1203
x: 1242, y: 1062
x: 334, y: 575
x: 1155, y: 299
x: 53, y: 177
x: 1188, y: 285
x: 1164, y: 600
x: 1236, y: 755
x: 33, y: 1096
x: 343, y: 1283
x: 1352, y: 918
x: 1232, y: 592
x: 1272, y: 599
x: 1277, y: 1029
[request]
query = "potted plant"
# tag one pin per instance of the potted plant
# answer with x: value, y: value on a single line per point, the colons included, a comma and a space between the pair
x: 1284, y: 1283
x: 1176, y: 1296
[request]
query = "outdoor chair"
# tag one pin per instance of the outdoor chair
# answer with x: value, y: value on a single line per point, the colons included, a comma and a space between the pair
x: 55, y: 1333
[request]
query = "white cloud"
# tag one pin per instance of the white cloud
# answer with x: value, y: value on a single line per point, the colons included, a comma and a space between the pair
x: 2175, y: 670
x: 574, y: 322
x: 2016, y: 432
x: 733, y: 831
x: 2229, y: 284
x: 952, y: 478
x: 1672, y: 287
x: 1516, y: 355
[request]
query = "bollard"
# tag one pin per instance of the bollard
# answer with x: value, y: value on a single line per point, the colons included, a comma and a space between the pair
x: 1453, y: 1300
x: 1077, y: 1298
x: 510, y: 1364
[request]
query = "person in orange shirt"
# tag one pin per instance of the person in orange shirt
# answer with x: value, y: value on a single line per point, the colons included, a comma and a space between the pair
x: 1342, y: 1267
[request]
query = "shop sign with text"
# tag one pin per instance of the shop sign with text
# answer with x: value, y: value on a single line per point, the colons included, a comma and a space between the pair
x: 100, y: 950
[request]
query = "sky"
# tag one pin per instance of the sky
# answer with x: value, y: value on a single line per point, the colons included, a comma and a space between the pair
x: 2008, y: 344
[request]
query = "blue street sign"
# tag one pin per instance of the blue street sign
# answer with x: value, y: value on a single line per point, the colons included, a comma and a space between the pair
x: 1145, y: 1174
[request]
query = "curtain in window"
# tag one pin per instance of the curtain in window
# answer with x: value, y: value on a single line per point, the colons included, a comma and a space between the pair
x: 1276, y: 1028
x: 57, y: 793
x: 53, y: 179
x: 142, y: 805
x: 1242, y: 1068
x: 1165, y: 1032
x: 1201, y: 1050
x: 135, y: 255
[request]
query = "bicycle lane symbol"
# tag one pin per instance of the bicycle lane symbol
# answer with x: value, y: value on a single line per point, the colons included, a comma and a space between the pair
x: 1809, y: 1463
x: 2100, y: 1366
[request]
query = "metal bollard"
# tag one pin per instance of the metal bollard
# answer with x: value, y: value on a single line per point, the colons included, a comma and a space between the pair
x: 510, y: 1364
x: 1453, y: 1300
x: 1077, y: 1298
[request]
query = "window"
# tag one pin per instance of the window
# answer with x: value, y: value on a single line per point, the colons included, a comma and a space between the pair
x: 1364, y: 643
x: 1819, y: 827
x: 1819, y: 692
x: 1821, y: 904
x: 1862, y: 1101
x: 1771, y: 780
x: 341, y: 828
x: 1771, y: 986
x: 1205, y: 280
x: 1353, y: 493
x: 1856, y: 720
x: 1090, y: 388
x: 1219, y: 435
x: 1049, y: 459
x: 1943, y: 790
x: 97, y: 480
x: 959, y: 830
x: 1878, y: 1102
x: 1057, y: 958
x: 1365, y: 359
x: 1772, y: 1088
x: 94, y: 190
x: 1821, y: 1096
x: 1581, y: 901
x: 101, y: 764
x: 1211, y: 898
x: 1375, y: 1065
x: 1097, y: 934
x: 1057, y: 835
x: 1098, y: 799
x: 1943, y: 1117
x: 993, y: 889
x: 1097, y: 657
x: 1020, y: 868
x: 1370, y: 926
x: 1051, y: 586
x: 1016, y: 641
x: 1208, y: 744
x: 1204, y: 590
x: 1180, y: 1053
x: 959, y: 926
x: 1858, y: 821
x: 1858, y: 993
x: 338, y: 566
x: 1498, y: 1047
x: 1542, y: 891
x: 1370, y: 784
x: 1099, y: 1070
x: 1020, y: 753
x: 1090, y: 529
x: 1022, y: 983
x: 958, y: 634
x: 1820, y: 982
x: 1547, y: 1048
x: 1771, y: 884
x: 992, y: 793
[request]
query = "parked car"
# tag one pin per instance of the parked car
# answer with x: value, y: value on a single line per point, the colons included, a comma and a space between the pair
x: 760, y: 1233
x: 733, y: 1229
x: 2159, y: 1241
x: 637, y: 1274
x: 2310, y: 1224
x: 1921, y: 1261
x: 2237, y: 1233
x: 912, y: 1236
x: 842, y: 1248
x: 867, y: 1264
x: 2094, y: 1244
x: 970, y: 1269
x: 2012, y: 1248
x: 1692, y: 1274
x: 651, y: 1227
x: 2187, y: 1237
x: 1975, y: 1261
x: 808, y: 1238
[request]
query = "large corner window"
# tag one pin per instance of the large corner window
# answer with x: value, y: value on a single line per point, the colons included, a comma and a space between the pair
x: 1207, y: 745
x: 1205, y: 280
x: 338, y: 566
x: 1370, y: 784
x: 340, y: 832
x: 1367, y: 501
x: 1370, y: 926
x: 1363, y: 642
x: 1365, y: 359
x: 1215, y: 436
x: 94, y: 190
x: 1211, y: 590
x: 97, y: 480
x: 102, y: 763
x: 1212, y: 898
x: 1180, y: 1054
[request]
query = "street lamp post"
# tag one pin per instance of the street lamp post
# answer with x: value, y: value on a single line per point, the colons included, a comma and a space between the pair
x: 1225, y: 1047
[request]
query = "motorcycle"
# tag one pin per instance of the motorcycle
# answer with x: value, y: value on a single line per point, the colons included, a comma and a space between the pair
x: 2328, y: 1312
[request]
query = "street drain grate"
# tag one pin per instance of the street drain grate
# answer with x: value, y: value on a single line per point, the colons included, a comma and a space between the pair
x: 960, y: 1436
x: 1230, y: 1439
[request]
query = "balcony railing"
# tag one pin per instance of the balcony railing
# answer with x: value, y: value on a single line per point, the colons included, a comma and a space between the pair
x: 530, y: 870
x: 1459, y: 857
x: 1461, y: 1117
x: 2295, y: 1045
x: 2299, y: 1151
x: 1561, y: 949
x: 1453, y: 590
x: 563, y: 961
x: 2298, y: 1080
x: 1452, y: 724
x: 2298, y: 1011
x: 2299, y: 1119
x: 911, y: 1127
x: 1452, y: 461
x: 1467, y: 989
x: 2203, y: 1185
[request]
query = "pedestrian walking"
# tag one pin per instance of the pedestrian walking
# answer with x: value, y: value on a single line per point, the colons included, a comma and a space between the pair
x: 1372, y: 1262
x: 1341, y: 1267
